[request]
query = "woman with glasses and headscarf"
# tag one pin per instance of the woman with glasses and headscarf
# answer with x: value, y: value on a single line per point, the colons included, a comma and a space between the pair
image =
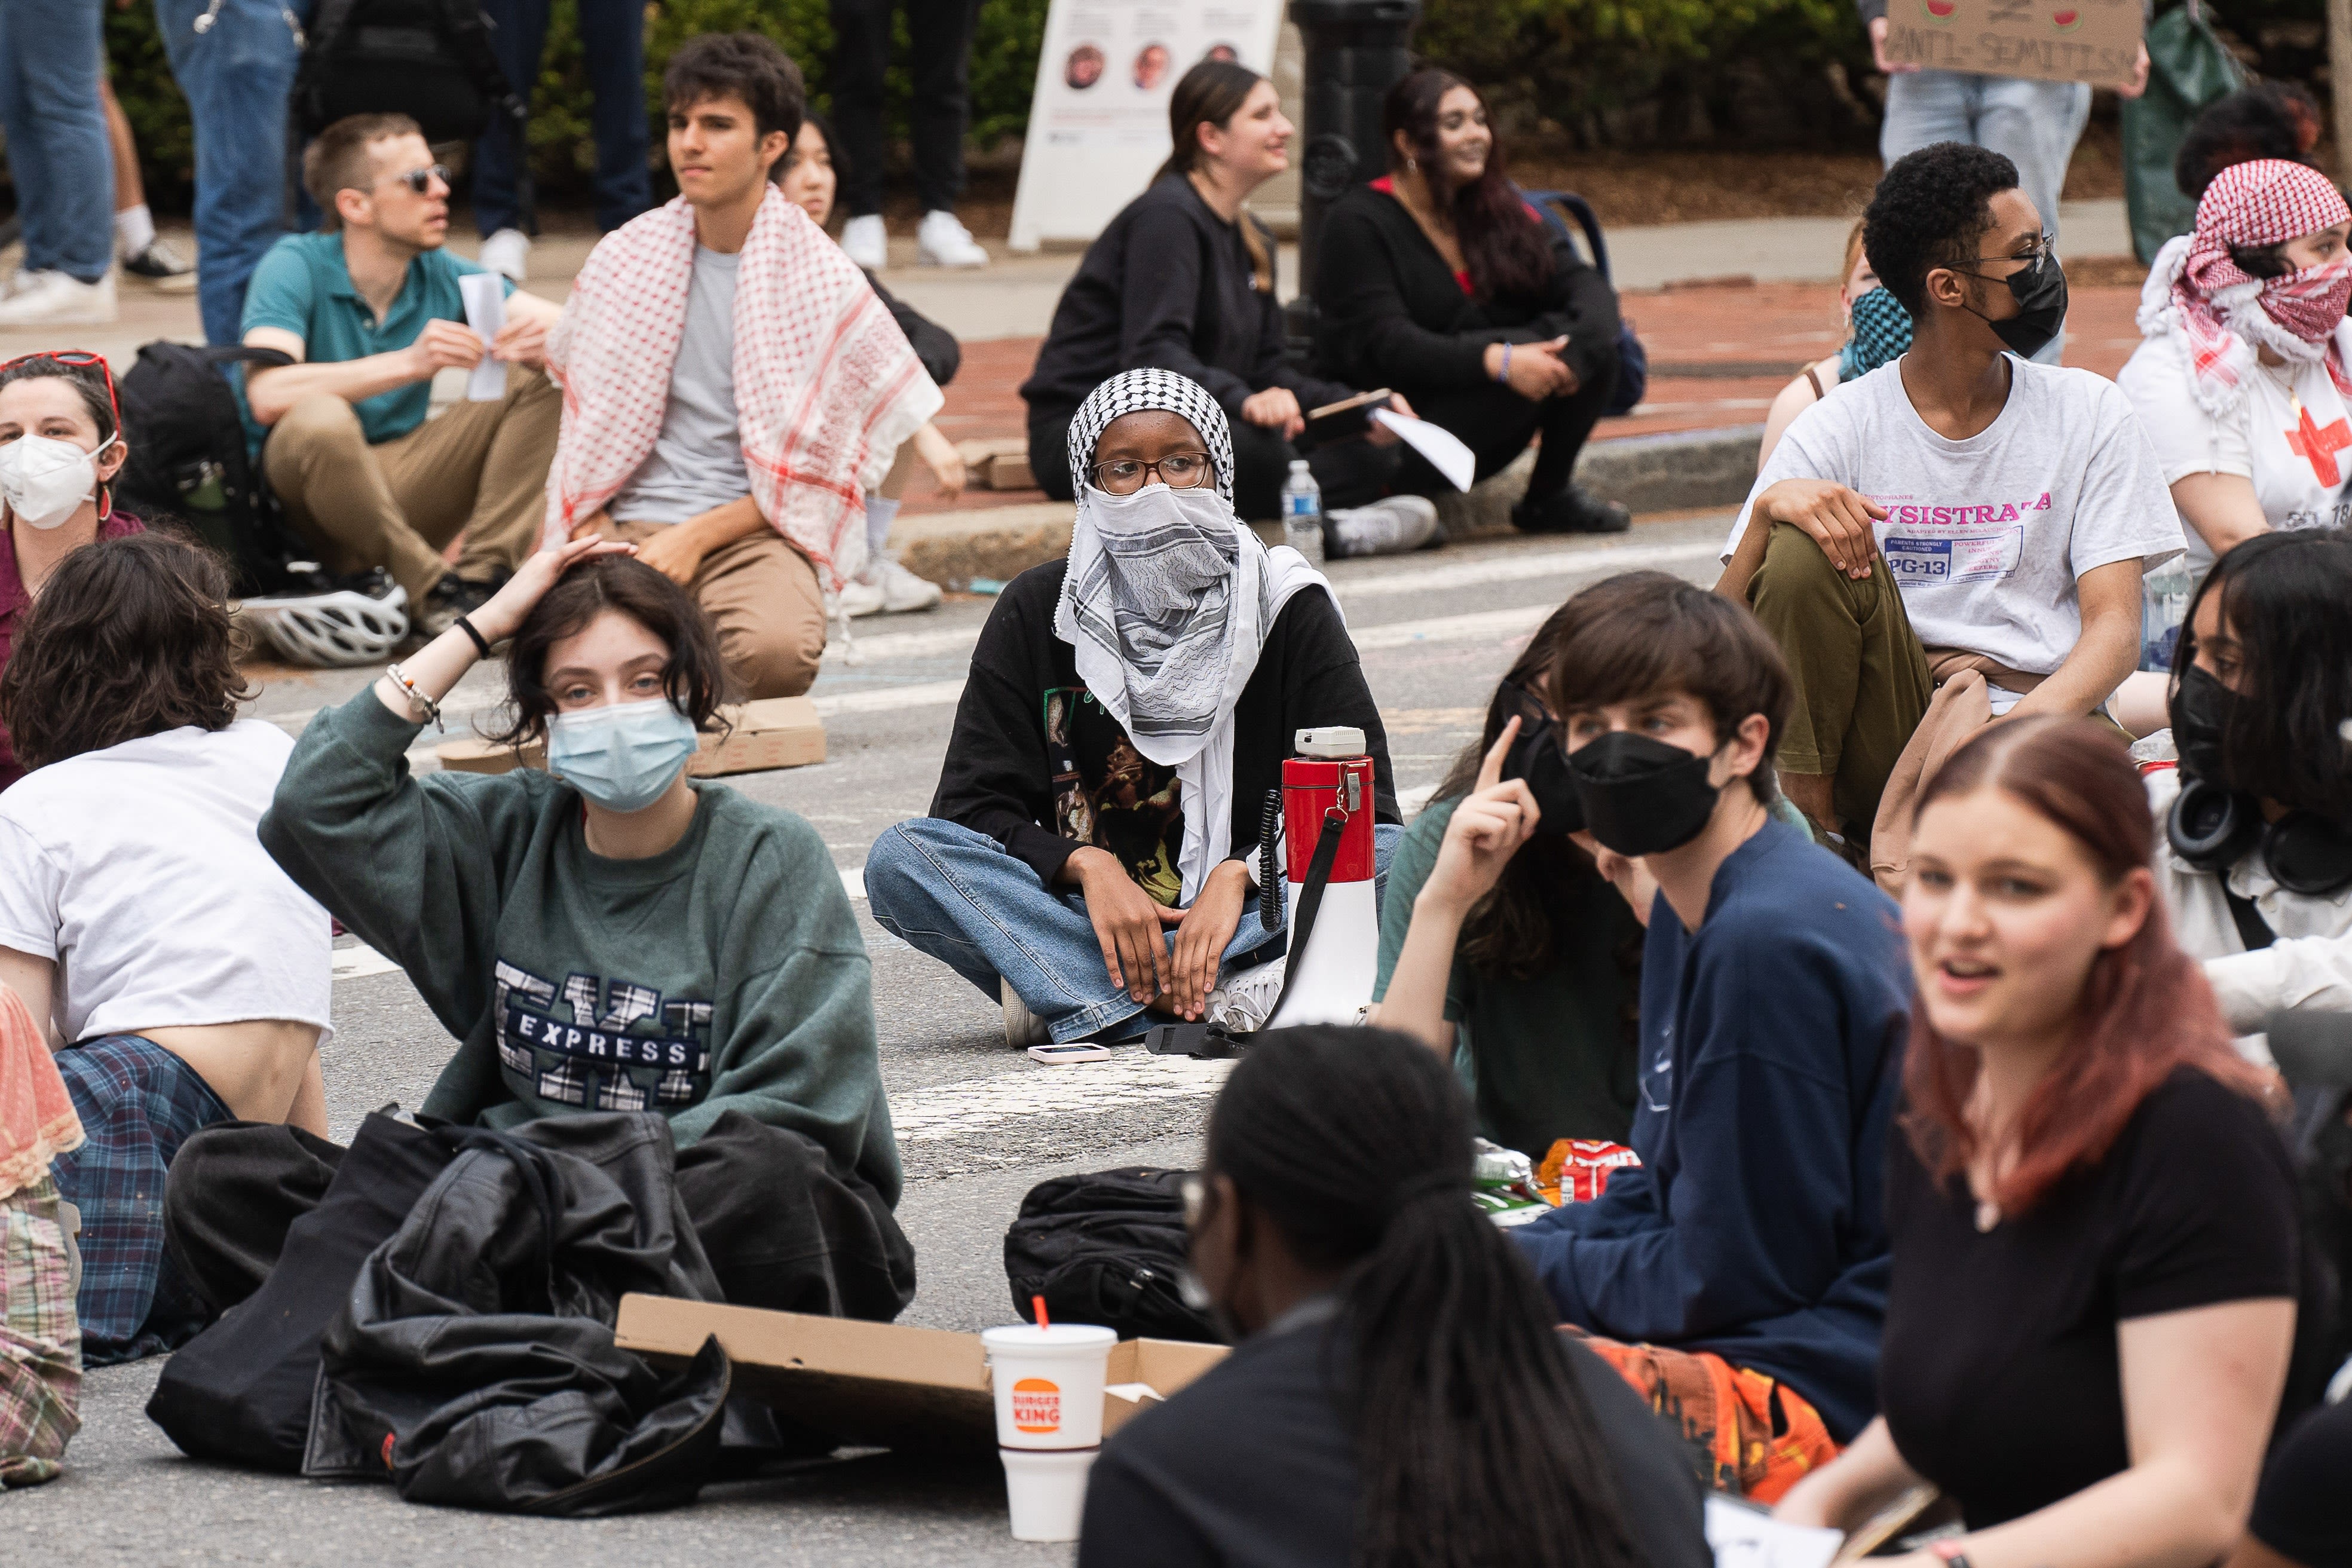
x: 1090, y: 854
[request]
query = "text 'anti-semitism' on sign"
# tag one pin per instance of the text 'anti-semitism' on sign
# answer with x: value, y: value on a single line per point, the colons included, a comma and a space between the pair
x: 2095, y: 41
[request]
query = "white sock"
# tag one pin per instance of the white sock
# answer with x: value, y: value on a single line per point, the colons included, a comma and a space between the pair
x: 134, y: 229
x: 880, y: 514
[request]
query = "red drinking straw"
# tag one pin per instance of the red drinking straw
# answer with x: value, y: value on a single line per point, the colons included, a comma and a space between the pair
x: 1037, y: 1305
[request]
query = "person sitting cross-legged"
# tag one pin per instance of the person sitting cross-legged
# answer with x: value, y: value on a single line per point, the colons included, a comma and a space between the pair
x: 1127, y: 711
x: 1737, y: 1276
x: 607, y: 934
x: 733, y: 388
x: 180, y: 977
x: 369, y: 307
x: 1963, y: 517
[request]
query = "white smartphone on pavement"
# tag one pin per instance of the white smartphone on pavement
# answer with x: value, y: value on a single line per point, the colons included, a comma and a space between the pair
x: 1076, y: 1051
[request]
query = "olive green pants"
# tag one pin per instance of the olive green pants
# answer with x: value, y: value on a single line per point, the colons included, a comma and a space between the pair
x: 1860, y: 676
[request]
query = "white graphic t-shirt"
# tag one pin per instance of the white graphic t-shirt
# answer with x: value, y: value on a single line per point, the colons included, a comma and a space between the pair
x: 2289, y: 434
x: 1987, y: 536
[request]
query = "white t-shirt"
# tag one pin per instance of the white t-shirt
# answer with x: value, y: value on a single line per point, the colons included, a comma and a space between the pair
x: 136, y: 869
x: 2297, y: 478
x: 1987, y: 536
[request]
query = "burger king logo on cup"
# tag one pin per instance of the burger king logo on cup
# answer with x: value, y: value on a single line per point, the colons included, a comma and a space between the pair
x: 1037, y: 1405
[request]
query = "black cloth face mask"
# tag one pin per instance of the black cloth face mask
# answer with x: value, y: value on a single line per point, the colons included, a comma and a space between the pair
x: 1642, y: 796
x: 2040, y: 290
x: 2200, y: 711
x: 1536, y: 758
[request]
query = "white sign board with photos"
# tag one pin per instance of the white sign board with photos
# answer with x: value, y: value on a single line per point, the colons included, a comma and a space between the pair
x: 1098, y: 122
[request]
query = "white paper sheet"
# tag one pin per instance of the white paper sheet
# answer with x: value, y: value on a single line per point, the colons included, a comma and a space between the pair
x: 1133, y: 1393
x: 485, y: 295
x: 1443, y: 450
x: 1744, y: 1537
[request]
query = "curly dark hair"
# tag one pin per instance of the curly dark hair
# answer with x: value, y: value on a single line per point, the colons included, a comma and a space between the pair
x: 745, y: 67
x: 1930, y: 210
x: 2282, y: 597
x: 2269, y: 120
x: 696, y: 678
x: 131, y: 637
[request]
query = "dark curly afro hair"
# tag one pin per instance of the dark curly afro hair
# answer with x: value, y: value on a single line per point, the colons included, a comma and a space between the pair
x: 1931, y: 210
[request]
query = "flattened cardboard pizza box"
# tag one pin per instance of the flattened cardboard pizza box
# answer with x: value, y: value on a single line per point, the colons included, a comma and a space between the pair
x: 773, y: 732
x: 885, y: 1383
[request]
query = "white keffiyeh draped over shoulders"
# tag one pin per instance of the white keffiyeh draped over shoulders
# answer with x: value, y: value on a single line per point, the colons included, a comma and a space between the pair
x: 1167, y: 600
x: 827, y: 386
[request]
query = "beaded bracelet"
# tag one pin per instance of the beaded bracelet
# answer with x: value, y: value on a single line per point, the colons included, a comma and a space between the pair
x: 416, y: 697
x: 1503, y: 375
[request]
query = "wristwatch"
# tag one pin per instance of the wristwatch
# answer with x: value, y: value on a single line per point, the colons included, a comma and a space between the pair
x: 1951, y: 1552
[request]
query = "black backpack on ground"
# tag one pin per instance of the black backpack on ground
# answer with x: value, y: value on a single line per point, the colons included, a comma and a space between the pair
x: 1107, y: 1248
x: 188, y: 461
x: 1633, y: 359
x: 429, y: 59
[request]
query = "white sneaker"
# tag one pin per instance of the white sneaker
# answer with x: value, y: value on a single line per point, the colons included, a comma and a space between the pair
x: 867, y: 242
x: 1242, y: 1005
x: 944, y: 242
x: 59, y: 299
x: 903, y: 591
x: 863, y: 595
x: 508, y: 252
x: 1389, y: 526
x: 1023, y: 1028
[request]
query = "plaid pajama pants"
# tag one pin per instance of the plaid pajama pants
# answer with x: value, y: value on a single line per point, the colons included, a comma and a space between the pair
x: 138, y: 1103
x: 40, y: 1347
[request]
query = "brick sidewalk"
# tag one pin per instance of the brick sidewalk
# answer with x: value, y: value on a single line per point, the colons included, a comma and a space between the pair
x: 1718, y: 354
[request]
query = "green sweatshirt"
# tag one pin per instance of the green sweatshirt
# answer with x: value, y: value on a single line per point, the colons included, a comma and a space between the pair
x: 725, y: 973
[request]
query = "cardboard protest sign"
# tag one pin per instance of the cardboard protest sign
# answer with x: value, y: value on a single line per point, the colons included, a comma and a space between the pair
x: 2095, y: 41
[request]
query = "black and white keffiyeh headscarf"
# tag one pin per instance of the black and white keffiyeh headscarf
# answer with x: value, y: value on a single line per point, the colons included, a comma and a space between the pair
x: 1167, y: 600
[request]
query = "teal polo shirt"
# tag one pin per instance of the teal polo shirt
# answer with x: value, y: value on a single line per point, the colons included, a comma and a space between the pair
x: 304, y: 286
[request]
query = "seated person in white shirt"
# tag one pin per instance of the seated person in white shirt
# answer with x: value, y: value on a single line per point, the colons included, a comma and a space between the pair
x: 180, y: 977
x: 2257, y: 865
x: 1960, y: 509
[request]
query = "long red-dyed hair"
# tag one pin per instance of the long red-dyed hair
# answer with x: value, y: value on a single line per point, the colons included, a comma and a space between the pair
x: 2145, y: 1010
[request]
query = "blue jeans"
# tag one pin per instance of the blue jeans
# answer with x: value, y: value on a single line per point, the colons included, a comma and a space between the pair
x: 613, y: 38
x: 2033, y: 124
x: 954, y: 893
x: 237, y: 78
x: 50, y: 62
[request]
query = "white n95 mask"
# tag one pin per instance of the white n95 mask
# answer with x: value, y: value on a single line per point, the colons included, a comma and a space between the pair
x: 44, y: 481
x: 622, y: 757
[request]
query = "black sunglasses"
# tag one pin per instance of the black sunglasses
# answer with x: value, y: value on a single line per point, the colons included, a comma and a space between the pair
x: 421, y: 180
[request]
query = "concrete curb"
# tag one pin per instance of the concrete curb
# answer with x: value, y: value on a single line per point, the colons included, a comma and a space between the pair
x: 1678, y: 472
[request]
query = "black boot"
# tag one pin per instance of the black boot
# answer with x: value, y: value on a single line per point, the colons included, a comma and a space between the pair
x: 1571, y: 512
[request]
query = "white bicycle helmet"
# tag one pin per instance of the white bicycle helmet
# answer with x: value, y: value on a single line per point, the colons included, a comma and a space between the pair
x: 333, y: 629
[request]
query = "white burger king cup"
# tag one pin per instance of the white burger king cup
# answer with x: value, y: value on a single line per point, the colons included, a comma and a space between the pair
x: 1047, y: 1489
x: 1049, y: 1383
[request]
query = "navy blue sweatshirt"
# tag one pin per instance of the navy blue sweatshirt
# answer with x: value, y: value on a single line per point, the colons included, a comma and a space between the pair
x: 1771, y: 1048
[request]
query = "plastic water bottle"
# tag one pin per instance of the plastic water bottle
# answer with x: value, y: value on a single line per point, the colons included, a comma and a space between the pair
x: 1302, y: 513
x: 2164, y: 606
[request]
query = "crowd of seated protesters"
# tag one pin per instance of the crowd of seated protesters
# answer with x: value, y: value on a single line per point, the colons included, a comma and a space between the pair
x: 1089, y: 854
x: 731, y: 448
x: 1439, y: 280
x: 61, y: 444
x: 810, y: 175
x: 1182, y: 280
x: 369, y: 308
x: 182, y: 978
x: 2001, y: 572
x: 1878, y: 332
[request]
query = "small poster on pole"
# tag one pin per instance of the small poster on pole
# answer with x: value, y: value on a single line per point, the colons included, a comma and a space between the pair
x: 2096, y: 41
x: 1098, y: 119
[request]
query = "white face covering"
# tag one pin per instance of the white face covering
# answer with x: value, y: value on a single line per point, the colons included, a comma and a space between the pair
x: 45, y: 480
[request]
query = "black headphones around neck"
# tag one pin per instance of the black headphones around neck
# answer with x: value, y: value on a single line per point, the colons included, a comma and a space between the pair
x: 2213, y: 828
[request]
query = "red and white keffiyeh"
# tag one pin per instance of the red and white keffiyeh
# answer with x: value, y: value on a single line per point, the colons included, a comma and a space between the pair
x: 826, y: 387
x: 2224, y: 312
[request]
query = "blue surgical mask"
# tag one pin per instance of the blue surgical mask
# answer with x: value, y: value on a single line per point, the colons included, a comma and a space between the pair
x: 624, y: 757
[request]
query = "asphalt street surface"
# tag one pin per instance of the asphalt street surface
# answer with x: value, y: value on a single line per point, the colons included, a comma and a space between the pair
x: 978, y: 1123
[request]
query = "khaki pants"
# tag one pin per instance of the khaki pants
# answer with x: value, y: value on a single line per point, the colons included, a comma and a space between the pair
x: 478, y: 467
x: 761, y: 594
x: 1861, y: 678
